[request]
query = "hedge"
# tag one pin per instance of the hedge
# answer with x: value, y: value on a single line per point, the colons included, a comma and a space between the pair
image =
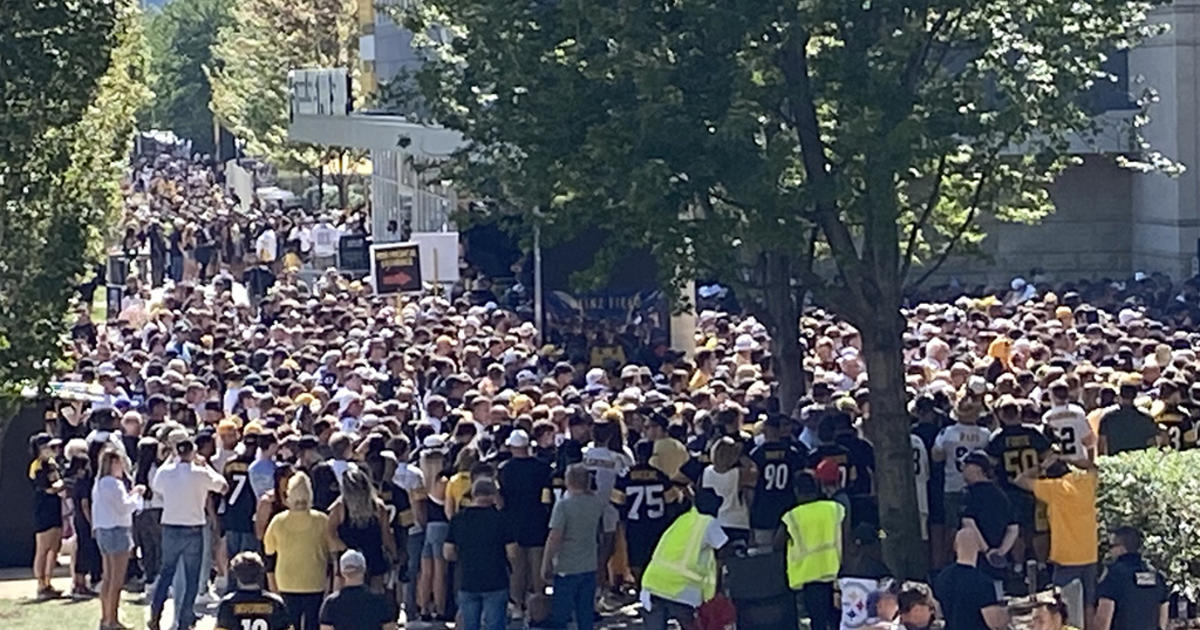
x: 1158, y: 493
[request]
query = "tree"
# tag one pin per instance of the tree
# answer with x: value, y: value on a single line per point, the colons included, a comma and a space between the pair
x: 875, y: 133
x: 252, y: 58
x: 181, y: 38
x: 72, y: 73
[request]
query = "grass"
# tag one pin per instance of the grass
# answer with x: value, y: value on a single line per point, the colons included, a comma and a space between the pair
x: 62, y: 614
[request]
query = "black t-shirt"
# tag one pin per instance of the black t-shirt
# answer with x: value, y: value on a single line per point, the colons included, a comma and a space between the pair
x: 239, y: 504
x: 861, y: 461
x: 840, y: 456
x: 480, y: 533
x: 777, y: 462
x: 1127, y: 428
x: 252, y: 610
x: 991, y: 510
x: 86, y: 332
x: 523, y: 482
x: 1016, y: 448
x: 964, y: 591
x: 356, y: 608
x: 1136, y: 589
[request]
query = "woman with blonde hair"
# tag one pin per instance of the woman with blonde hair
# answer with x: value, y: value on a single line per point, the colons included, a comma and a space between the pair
x: 724, y: 476
x: 296, y: 537
x: 358, y: 520
x: 431, y: 592
x: 112, y: 524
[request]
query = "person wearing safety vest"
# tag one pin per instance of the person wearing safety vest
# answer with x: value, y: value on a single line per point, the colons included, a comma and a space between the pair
x: 812, y: 533
x: 682, y: 573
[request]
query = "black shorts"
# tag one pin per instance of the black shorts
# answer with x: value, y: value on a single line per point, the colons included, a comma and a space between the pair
x: 640, y: 543
x: 47, y: 513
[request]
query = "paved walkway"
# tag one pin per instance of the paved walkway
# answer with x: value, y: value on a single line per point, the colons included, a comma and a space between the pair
x: 17, y: 584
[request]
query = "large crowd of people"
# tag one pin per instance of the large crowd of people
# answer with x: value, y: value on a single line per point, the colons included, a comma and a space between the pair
x: 310, y: 455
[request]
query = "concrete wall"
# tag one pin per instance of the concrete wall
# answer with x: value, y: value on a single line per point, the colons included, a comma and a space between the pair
x: 1166, y: 221
x: 1087, y: 236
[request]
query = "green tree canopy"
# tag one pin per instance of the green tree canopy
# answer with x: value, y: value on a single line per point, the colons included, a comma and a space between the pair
x: 740, y: 137
x: 250, y: 67
x: 181, y: 38
x: 72, y: 76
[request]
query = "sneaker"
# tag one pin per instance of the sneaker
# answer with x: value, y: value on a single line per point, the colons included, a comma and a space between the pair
x: 82, y: 592
x: 49, y: 592
x: 207, y: 597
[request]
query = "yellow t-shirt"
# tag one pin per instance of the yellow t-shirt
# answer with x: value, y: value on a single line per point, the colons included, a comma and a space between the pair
x: 458, y: 487
x: 1071, y: 508
x: 298, y: 539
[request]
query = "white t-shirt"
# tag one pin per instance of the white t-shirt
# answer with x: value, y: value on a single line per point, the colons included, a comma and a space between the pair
x: 921, y: 474
x: 733, y: 512
x: 112, y: 504
x: 714, y: 538
x: 266, y: 246
x: 324, y: 240
x: 604, y: 466
x: 184, y: 489
x: 1071, y: 430
x: 408, y: 478
x: 956, y: 441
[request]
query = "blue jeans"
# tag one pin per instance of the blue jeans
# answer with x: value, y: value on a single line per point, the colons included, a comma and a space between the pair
x: 186, y: 543
x: 415, y: 543
x: 484, y: 610
x: 573, y: 597
x: 179, y: 585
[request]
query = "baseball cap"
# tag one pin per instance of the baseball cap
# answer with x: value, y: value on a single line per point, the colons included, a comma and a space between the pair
x: 827, y: 471
x: 978, y: 458
x: 518, y: 438
x: 352, y: 562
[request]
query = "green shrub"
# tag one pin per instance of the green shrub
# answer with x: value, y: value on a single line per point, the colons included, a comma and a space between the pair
x: 1158, y: 493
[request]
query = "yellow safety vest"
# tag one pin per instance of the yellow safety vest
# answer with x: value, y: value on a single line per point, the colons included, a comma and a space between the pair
x: 814, y: 549
x: 677, y: 563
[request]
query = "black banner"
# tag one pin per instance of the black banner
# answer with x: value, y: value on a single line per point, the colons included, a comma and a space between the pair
x: 396, y: 268
x: 352, y: 252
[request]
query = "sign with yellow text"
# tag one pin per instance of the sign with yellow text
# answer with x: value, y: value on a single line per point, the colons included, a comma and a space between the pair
x: 395, y: 267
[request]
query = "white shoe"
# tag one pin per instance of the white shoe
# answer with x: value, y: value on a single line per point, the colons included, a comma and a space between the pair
x: 207, y: 597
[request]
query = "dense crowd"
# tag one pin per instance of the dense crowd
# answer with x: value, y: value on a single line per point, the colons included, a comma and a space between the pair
x: 328, y: 457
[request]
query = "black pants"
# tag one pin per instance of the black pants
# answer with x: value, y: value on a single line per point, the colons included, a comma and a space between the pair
x: 305, y: 609
x: 818, y: 603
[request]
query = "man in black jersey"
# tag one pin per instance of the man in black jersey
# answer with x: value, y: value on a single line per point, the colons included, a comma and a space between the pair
x: 860, y: 483
x: 828, y: 448
x: 248, y: 607
x: 649, y: 501
x: 239, y: 503
x: 1015, y: 448
x: 776, y: 460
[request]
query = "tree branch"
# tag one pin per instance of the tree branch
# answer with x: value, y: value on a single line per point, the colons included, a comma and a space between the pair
x: 911, y: 247
x: 801, y: 105
x: 962, y: 229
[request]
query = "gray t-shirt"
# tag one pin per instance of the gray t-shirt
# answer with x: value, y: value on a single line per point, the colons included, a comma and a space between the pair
x: 578, y: 516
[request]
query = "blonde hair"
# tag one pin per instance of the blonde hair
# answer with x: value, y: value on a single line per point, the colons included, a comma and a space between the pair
x: 724, y: 454
x: 106, y: 459
x: 299, y: 492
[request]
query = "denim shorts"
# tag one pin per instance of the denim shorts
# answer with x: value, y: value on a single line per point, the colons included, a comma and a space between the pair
x: 114, y: 540
x: 435, y: 537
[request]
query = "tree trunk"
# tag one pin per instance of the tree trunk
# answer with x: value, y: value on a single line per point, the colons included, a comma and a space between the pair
x: 782, y: 311
x: 888, y: 430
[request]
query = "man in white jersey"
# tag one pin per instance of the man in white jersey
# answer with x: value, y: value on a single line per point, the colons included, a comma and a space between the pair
x: 950, y: 447
x: 1067, y: 424
x: 921, y: 474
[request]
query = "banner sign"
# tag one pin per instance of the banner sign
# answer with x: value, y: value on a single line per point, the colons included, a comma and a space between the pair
x: 396, y: 267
